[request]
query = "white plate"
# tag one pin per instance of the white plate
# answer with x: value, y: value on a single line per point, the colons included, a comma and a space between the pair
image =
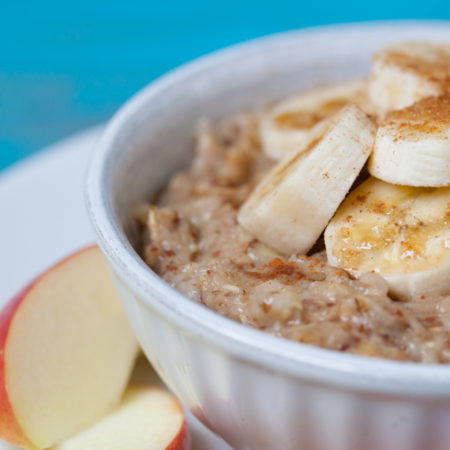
x: 43, y: 219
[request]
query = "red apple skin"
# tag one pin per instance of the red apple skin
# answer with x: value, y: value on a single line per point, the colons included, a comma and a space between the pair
x: 182, y: 440
x: 10, y: 430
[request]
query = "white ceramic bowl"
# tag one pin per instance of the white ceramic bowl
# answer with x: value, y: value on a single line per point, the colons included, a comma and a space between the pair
x: 256, y: 390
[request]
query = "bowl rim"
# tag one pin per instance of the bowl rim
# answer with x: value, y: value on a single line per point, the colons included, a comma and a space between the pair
x: 274, y: 354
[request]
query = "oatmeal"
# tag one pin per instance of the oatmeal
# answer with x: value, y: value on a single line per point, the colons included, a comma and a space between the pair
x: 206, y: 237
x: 195, y: 243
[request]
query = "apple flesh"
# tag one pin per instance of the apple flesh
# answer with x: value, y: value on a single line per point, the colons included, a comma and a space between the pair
x: 148, y: 418
x: 66, y: 353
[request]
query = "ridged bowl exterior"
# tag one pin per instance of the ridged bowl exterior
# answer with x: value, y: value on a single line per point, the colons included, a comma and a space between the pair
x: 257, y: 408
x: 255, y: 390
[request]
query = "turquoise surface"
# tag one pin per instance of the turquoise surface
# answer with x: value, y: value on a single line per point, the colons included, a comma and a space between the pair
x: 67, y: 65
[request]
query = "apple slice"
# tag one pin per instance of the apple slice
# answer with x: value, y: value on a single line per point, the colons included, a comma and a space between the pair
x: 148, y: 418
x: 66, y: 353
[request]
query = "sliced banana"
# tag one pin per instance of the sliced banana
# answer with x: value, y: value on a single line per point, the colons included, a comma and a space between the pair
x: 412, y: 145
x: 400, y: 232
x: 405, y: 73
x: 292, y: 205
x: 287, y: 125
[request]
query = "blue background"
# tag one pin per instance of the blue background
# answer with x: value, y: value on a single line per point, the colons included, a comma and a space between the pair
x: 65, y: 66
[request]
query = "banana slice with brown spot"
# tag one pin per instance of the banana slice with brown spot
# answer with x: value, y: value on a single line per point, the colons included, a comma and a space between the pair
x: 287, y: 126
x: 408, y: 72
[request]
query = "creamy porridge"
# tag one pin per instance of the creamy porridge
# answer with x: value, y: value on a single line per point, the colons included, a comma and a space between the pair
x: 198, y: 238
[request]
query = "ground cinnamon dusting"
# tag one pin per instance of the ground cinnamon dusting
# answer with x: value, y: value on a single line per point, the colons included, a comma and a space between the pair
x: 429, y: 115
x: 192, y: 239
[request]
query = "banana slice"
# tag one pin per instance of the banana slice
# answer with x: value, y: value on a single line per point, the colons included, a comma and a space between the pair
x: 412, y: 146
x: 400, y: 232
x: 405, y: 73
x: 292, y: 205
x: 287, y: 125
